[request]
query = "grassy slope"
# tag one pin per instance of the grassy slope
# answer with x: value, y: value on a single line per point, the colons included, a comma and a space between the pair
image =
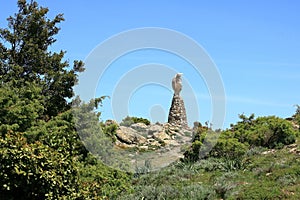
x: 275, y: 175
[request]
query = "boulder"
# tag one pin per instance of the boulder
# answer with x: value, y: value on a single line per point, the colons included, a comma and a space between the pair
x: 139, y: 126
x: 155, y: 128
x: 129, y: 136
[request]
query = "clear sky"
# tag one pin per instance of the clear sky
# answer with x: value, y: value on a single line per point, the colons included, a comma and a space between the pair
x: 254, y: 44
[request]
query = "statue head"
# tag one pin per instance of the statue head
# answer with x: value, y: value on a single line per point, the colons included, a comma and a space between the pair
x: 176, y: 83
x: 178, y: 75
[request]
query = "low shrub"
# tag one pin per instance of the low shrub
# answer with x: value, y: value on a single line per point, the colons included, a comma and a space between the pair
x: 128, y: 121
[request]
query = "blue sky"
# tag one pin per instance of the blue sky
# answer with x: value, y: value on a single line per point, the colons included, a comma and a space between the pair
x: 254, y: 44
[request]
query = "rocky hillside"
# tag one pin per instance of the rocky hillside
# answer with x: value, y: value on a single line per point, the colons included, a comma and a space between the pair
x: 162, y: 144
x: 151, y: 137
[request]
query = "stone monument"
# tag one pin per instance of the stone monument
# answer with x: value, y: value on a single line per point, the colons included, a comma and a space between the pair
x: 177, y: 113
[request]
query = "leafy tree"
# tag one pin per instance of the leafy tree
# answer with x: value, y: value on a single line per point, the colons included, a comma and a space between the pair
x: 38, y: 142
x: 20, y: 107
x: 96, y: 138
x: 25, y: 56
x: 41, y: 154
x: 38, y: 158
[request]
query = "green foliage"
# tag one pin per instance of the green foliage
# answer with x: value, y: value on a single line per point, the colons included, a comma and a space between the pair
x: 96, y: 138
x: 224, y: 184
x: 20, y: 107
x: 34, y: 170
x: 127, y: 121
x: 170, y: 183
x: 193, y: 153
x: 40, y: 148
x: 297, y: 110
x: 59, y: 133
x: 169, y: 192
x: 296, y: 116
x: 110, y: 130
x: 229, y: 148
x: 222, y: 164
x: 43, y: 142
x: 259, y: 175
x: 270, y: 132
x: 26, y: 58
x: 101, y: 182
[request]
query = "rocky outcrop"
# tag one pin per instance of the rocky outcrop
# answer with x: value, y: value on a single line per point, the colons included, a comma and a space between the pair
x: 129, y: 136
x: 150, y: 137
x: 155, y: 128
x: 177, y: 113
x: 139, y: 127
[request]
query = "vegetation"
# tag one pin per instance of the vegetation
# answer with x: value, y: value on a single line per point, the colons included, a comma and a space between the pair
x: 41, y: 154
x: 127, y: 121
x: 50, y: 151
x: 241, y: 165
x: 269, y: 132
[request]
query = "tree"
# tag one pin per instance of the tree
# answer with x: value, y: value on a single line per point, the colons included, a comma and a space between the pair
x: 19, y: 107
x: 38, y: 141
x: 41, y: 154
x: 25, y: 57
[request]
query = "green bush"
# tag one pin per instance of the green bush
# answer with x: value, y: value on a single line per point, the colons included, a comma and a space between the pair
x: 128, y: 121
x: 101, y: 182
x: 193, y: 153
x: 229, y: 148
x: 223, y: 146
x: 35, y: 171
x: 270, y: 132
x: 110, y: 130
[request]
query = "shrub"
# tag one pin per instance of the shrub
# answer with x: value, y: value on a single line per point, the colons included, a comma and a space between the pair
x: 128, y: 121
x: 101, y: 182
x: 230, y: 148
x: 270, y: 132
x: 193, y: 154
x: 110, y: 130
x: 35, y: 171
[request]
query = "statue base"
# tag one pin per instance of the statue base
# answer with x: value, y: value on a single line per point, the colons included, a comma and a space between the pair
x: 177, y: 113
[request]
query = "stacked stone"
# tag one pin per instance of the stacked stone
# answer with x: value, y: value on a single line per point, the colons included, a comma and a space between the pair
x: 177, y: 113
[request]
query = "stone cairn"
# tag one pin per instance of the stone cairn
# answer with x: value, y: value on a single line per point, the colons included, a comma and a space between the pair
x: 177, y: 113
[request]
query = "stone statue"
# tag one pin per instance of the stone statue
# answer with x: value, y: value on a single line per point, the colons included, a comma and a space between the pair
x: 177, y: 113
x: 177, y: 84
